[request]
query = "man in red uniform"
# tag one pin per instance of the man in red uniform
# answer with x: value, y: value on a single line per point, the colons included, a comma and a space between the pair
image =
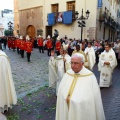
x: 9, y: 42
x: 22, y: 47
x: 40, y: 44
x: 13, y: 44
x: 49, y: 45
x: 58, y: 46
x: 17, y: 44
x: 28, y: 48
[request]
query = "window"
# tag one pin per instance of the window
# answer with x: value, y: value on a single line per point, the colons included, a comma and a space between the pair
x: 71, y: 6
x: 54, y: 8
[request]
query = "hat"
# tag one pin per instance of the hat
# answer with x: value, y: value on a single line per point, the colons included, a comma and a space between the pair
x: 21, y: 37
x: 58, y: 38
x: 48, y: 37
x: 17, y: 36
x: 65, y: 46
x: 27, y: 37
x: 39, y: 36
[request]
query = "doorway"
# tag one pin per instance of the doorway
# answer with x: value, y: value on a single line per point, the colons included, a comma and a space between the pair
x: 30, y: 31
x: 49, y: 31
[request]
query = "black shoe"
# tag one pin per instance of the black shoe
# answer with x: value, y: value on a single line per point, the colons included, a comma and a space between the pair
x: 101, y: 88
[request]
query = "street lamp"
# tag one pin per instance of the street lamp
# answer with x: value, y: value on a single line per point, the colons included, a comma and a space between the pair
x: 81, y: 20
x: 10, y: 26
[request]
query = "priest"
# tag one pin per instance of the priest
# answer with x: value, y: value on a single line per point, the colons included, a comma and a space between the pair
x: 2, y: 117
x: 58, y: 67
x: 107, y: 63
x: 7, y: 90
x: 90, y: 54
x: 79, y: 94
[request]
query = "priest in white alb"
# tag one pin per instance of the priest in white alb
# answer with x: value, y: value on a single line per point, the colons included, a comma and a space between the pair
x: 90, y: 54
x: 58, y: 67
x: 107, y: 63
x: 2, y: 117
x: 7, y: 90
x: 79, y: 95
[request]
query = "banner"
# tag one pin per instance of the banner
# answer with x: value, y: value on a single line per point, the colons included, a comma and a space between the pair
x: 51, y: 19
x: 67, y: 17
x: 99, y: 3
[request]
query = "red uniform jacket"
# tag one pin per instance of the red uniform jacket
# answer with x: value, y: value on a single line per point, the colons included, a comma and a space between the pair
x: 58, y: 45
x: 28, y: 46
x: 9, y: 42
x: 13, y: 44
x: 40, y: 42
x: 17, y: 43
x: 49, y: 44
x: 22, y: 45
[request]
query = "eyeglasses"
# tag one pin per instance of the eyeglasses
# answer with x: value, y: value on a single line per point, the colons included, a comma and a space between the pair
x: 76, y: 63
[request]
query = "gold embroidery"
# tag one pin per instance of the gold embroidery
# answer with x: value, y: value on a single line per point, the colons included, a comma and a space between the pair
x: 79, y: 75
x: 110, y: 56
x: 106, y: 75
x: 103, y: 55
x: 71, y: 90
x: 103, y: 74
x: 108, y: 66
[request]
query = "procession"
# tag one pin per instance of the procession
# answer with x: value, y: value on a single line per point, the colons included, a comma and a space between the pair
x: 60, y: 60
x: 64, y: 60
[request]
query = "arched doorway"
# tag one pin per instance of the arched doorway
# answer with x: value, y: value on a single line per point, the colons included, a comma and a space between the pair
x: 30, y: 31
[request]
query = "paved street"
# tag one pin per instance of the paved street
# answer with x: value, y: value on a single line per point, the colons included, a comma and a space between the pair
x: 29, y: 77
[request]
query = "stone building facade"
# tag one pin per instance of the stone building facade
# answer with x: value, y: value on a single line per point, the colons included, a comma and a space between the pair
x: 33, y: 18
x: 31, y: 22
x: 16, y: 18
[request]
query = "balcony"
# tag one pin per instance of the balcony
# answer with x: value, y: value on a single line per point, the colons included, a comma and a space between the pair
x: 102, y: 16
x: 107, y: 20
x: 113, y: 24
x: 66, y: 17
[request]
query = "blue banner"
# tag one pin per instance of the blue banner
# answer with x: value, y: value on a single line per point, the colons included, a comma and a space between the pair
x: 51, y: 19
x: 99, y: 3
x: 67, y: 17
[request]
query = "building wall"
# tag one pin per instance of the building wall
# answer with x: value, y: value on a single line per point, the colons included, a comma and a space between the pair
x: 31, y: 13
x: 32, y: 16
x: 112, y: 8
x: 24, y: 4
x: 43, y: 7
x: 73, y: 31
x: 16, y: 18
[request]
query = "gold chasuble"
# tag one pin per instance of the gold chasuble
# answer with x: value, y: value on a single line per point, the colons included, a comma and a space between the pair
x: 79, y: 97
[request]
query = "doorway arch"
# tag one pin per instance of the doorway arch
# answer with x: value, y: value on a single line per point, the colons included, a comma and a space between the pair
x: 30, y: 31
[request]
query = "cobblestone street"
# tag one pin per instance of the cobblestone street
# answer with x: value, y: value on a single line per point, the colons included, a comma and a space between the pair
x: 33, y: 76
x: 28, y: 76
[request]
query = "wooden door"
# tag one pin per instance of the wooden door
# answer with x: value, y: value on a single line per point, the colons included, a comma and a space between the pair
x: 49, y: 31
x: 30, y: 31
